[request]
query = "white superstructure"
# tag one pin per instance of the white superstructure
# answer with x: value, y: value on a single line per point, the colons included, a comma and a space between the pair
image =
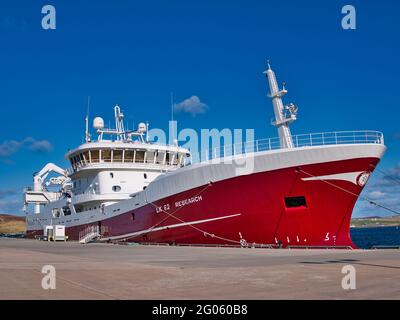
x: 103, y: 171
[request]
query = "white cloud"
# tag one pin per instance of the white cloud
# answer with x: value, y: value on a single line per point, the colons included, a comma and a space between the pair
x: 11, y: 147
x: 8, y: 192
x: 11, y: 206
x: 376, y: 194
x: 8, y: 148
x: 192, y: 105
x: 41, y: 146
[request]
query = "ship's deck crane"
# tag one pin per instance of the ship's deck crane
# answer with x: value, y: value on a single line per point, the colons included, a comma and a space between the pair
x: 40, y: 195
x: 41, y: 176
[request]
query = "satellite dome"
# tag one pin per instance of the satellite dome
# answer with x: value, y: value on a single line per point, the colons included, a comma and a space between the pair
x: 98, y: 123
x: 142, y: 127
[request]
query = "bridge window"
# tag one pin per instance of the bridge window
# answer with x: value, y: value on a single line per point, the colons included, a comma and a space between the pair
x: 95, y: 156
x: 174, y: 158
x: 117, y: 156
x: 129, y: 155
x: 295, y: 202
x: 86, y: 157
x: 181, y: 160
x: 150, y: 157
x: 106, y: 155
x: 160, y: 157
x: 140, y: 156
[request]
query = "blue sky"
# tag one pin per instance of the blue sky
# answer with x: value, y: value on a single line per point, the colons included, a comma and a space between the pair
x: 135, y: 53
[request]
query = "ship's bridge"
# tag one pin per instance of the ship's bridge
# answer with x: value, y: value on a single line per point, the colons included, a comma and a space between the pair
x: 126, y: 155
x: 127, y: 150
x: 112, y: 170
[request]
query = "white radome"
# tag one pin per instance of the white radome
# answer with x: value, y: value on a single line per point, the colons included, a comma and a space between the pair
x: 142, y: 127
x: 98, y: 123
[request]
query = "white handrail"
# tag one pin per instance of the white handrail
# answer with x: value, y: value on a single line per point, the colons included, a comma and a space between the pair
x: 299, y: 141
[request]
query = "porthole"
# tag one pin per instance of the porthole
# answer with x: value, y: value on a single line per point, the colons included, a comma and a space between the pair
x: 116, y: 188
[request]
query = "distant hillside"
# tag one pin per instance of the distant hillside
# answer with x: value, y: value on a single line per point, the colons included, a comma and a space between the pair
x: 12, y: 224
x: 376, y: 221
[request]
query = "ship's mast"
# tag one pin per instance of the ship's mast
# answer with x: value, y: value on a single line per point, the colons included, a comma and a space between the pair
x: 119, y: 123
x: 119, y: 132
x: 284, y: 115
x: 87, y: 133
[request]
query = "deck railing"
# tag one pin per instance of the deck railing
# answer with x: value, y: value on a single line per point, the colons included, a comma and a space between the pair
x: 299, y: 141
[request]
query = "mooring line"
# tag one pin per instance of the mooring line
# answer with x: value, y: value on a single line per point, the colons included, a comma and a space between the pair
x: 386, y: 175
x: 172, y: 215
x: 352, y: 193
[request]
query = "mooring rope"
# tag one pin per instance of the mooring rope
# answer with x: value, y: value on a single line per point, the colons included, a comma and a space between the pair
x: 172, y: 215
x: 386, y: 175
x: 352, y: 193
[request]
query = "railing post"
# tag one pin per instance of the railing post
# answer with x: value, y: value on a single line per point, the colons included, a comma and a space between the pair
x: 269, y: 144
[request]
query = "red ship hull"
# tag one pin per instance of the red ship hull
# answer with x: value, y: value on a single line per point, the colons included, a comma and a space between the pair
x: 248, y: 209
